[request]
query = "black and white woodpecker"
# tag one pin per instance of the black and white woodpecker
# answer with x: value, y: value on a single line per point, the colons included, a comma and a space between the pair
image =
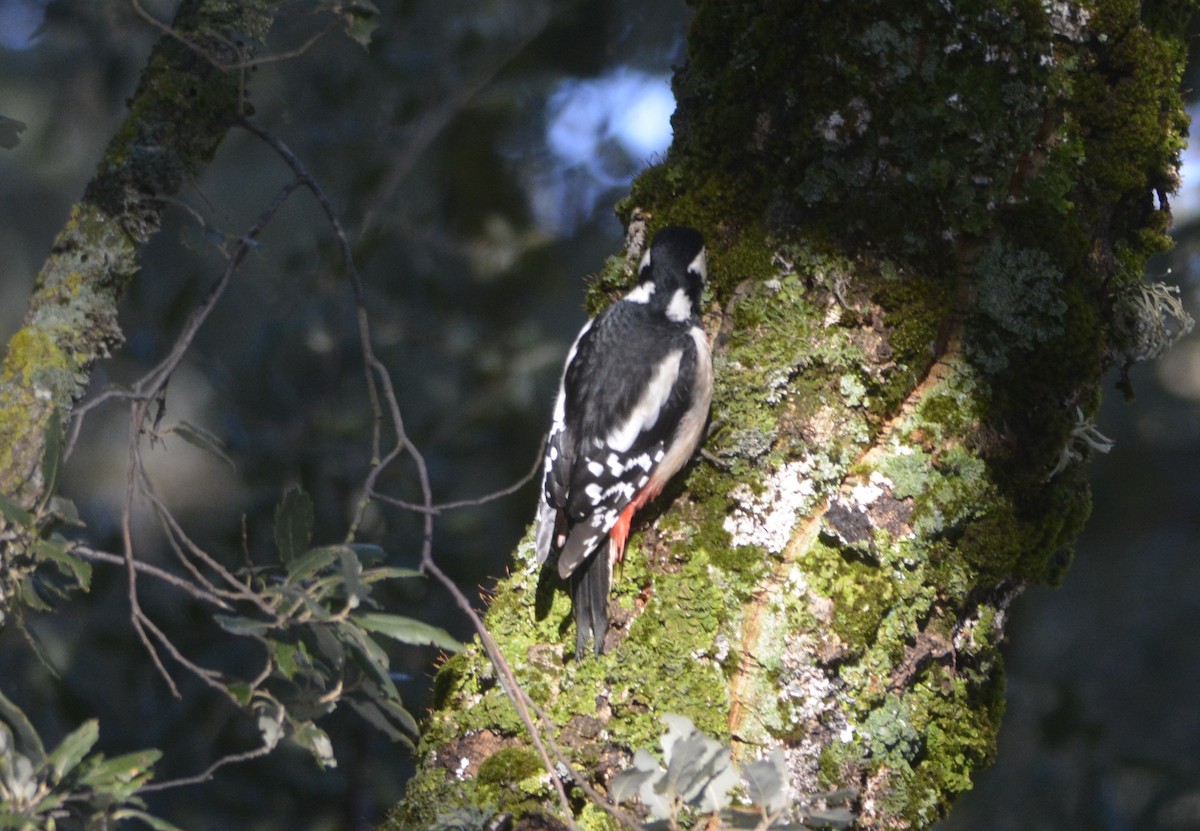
x: 630, y: 413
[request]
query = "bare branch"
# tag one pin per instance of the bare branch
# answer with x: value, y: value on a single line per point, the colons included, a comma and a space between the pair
x: 96, y: 556
x: 471, y: 503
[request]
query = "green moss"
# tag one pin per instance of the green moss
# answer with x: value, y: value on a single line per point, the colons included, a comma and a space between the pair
x: 507, y: 767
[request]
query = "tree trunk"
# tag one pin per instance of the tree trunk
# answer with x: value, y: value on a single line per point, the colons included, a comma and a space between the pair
x: 927, y: 226
x: 189, y: 95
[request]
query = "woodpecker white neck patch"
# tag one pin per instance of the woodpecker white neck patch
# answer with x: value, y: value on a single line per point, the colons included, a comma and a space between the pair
x: 641, y: 294
x: 700, y: 264
x: 680, y: 307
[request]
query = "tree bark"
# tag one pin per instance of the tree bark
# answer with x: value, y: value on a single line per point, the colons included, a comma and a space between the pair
x: 189, y: 95
x: 927, y: 227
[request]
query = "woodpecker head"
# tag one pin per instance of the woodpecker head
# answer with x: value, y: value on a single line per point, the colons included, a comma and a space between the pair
x: 672, y: 273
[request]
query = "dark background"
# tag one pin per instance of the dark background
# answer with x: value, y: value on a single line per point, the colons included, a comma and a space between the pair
x: 475, y: 151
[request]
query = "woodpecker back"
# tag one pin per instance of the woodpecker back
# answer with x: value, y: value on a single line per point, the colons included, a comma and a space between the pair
x: 630, y: 412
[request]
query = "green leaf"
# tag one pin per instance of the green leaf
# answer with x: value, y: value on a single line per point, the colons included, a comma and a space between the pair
x: 14, y: 513
x: 361, y: 18
x: 28, y: 742
x: 375, y: 714
x: 351, y: 567
x: 311, y: 562
x: 52, y: 454
x: 374, y: 575
x: 241, y: 691
x: 57, y: 550
x: 316, y: 741
x: 236, y: 625
x: 293, y: 524
x: 329, y: 646
x: 407, y: 630
x: 151, y: 820
x: 121, y: 777
x: 64, y: 511
x: 73, y: 748
x: 203, y: 439
x: 288, y: 658
x: 367, y: 552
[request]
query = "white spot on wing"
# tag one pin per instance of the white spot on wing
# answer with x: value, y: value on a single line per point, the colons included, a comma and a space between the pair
x: 595, y: 468
x: 680, y: 307
x: 641, y: 294
x: 645, y: 412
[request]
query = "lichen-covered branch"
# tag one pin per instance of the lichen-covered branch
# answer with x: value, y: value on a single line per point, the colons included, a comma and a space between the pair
x: 927, y: 225
x: 189, y: 95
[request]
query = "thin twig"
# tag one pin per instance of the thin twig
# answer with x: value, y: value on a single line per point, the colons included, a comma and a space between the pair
x: 207, y: 774
x: 231, y: 66
x: 443, y: 507
x: 92, y: 554
x: 378, y: 375
x: 127, y: 544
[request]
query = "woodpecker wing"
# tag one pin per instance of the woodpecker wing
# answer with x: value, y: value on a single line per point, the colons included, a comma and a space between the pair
x: 626, y: 389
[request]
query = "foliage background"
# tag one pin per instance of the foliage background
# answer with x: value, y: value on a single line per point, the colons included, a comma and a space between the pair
x: 473, y: 240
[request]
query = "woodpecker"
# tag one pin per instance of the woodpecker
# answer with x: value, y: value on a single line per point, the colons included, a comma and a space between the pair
x: 630, y: 412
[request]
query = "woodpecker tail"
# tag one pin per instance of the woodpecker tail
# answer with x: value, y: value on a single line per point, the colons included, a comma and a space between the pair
x: 589, y: 595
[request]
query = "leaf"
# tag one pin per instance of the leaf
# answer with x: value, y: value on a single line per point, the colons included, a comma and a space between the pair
x: 375, y: 715
x: 371, y: 656
x: 293, y: 524
x: 236, y: 625
x: 270, y: 726
x: 71, y: 750
x: 329, y: 646
x: 203, y: 439
x: 766, y: 782
x: 28, y: 742
x: 120, y: 777
x: 407, y: 630
x: 311, y: 562
x: 367, y: 552
x: 832, y: 817
x: 64, y: 511
x: 241, y: 691
x: 58, y: 551
x: 375, y: 575
x: 14, y: 513
x: 351, y: 567
x: 646, y: 771
x: 151, y: 820
x: 10, y: 132
x: 361, y: 19
x: 699, y: 769
x: 52, y: 454
x: 289, y: 657
x: 316, y: 741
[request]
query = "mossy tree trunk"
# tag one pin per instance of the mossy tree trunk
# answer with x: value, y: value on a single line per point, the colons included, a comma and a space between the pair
x: 190, y: 94
x: 927, y: 226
